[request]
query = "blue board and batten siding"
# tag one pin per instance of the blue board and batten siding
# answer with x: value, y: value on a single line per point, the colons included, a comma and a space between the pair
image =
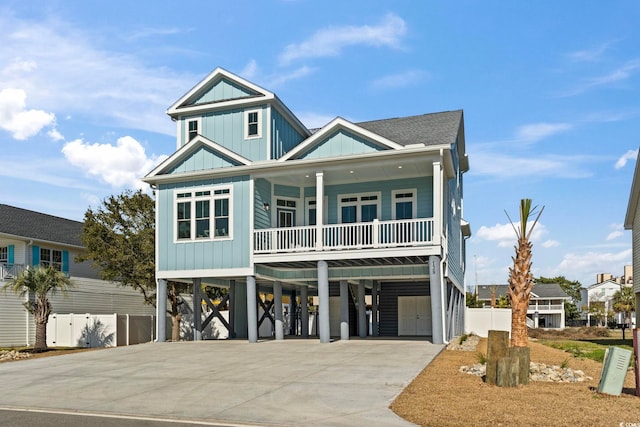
x: 262, y: 190
x: 227, y: 128
x: 223, y: 90
x: 204, y: 254
x: 203, y: 158
x: 283, y: 135
x: 341, y: 143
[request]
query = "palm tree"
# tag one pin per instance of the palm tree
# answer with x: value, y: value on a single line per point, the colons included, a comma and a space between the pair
x: 624, y: 301
x: 39, y: 281
x: 520, y: 277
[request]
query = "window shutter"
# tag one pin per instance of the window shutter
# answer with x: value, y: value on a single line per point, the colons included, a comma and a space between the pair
x: 35, y: 256
x: 65, y: 262
x: 10, y: 254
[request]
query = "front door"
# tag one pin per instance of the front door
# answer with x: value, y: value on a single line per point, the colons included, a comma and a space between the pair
x: 414, y: 316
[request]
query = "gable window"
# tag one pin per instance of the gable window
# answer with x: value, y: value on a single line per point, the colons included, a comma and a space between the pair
x: 194, y: 219
x: 51, y: 257
x: 253, y: 124
x: 193, y: 128
x: 404, y: 204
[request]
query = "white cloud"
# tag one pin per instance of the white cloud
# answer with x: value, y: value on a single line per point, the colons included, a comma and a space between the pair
x: 629, y: 155
x: 619, y: 74
x: 314, y: 120
x: 545, y: 166
x: 16, y: 119
x: 64, y: 70
x: 282, y: 77
x: 250, y: 70
x: 589, y: 264
x: 537, y: 131
x: 550, y: 244
x: 121, y: 165
x: 589, y: 55
x: 407, y: 78
x: 332, y: 40
x: 55, y: 135
x: 505, y: 235
x: 618, y: 230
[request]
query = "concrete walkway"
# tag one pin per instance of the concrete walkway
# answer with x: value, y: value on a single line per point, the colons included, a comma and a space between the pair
x: 285, y: 383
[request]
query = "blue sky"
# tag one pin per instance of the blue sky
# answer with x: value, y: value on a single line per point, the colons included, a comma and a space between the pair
x: 550, y: 92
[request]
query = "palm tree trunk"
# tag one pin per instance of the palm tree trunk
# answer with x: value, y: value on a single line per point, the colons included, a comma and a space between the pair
x: 41, y: 335
x: 520, y: 284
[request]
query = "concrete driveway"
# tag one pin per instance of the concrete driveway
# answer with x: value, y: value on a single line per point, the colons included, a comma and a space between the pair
x: 286, y: 383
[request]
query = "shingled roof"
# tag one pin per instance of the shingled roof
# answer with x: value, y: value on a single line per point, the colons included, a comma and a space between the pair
x: 38, y: 226
x: 428, y: 129
x: 542, y: 290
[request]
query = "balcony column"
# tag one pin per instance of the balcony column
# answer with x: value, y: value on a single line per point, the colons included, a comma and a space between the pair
x: 161, y: 310
x: 319, y: 208
x: 323, y: 302
x: 252, y: 309
x: 197, y: 310
x: 437, y: 305
x: 438, y: 197
x: 304, y: 312
x: 277, y: 310
x: 344, y: 310
x: 374, y: 309
x: 362, y: 311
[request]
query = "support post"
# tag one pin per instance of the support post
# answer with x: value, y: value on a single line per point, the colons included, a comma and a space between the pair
x: 304, y: 312
x: 277, y: 303
x: 374, y: 309
x: 293, y: 314
x: 437, y: 308
x: 319, y: 208
x: 232, y: 309
x: 197, y: 310
x: 252, y: 310
x: 362, y: 311
x: 323, y: 300
x: 161, y: 310
x: 344, y: 310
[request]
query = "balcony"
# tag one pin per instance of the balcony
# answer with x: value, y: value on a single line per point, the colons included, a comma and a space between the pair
x: 346, y: 237
x: 546, y: 307
x: 10, y: 271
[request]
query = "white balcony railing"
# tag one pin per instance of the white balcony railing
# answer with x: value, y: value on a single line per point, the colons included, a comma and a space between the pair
x: 362, y: 235
x: 544, y: 307
x: 10, y: 271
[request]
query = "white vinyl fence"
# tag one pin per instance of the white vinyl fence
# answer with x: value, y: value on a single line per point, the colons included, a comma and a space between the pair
x: 480, y: 321
x: 99, y: 330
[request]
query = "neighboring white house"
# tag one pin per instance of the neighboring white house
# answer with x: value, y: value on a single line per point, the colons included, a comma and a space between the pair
x: 604, y: 292
x: 632, y: 222
x: 29, y: 238
x: 546, y: 305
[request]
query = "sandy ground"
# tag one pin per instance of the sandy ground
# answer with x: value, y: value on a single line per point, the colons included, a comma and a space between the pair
x: 442, y: 396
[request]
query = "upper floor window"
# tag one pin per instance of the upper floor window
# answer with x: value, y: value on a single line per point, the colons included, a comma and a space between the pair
x: 193, y: 128
x: 4, y: 254
x: 404, y: 204
x: 51, y: 257
x: 204, y: 214
x: 253, y: 124
x: 358, y: 208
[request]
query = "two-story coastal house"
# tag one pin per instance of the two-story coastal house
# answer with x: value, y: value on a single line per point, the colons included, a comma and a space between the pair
x: 255, y: 202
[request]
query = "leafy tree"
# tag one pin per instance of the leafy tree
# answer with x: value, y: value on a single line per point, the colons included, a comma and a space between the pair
x: 624, y: 301
x: 119, y: 238
x: 503, y: 302
x: 571, y: 288
x: 473, y: 301
x: 41, y: 282
x: 598, y: 311
x: 520, y: 277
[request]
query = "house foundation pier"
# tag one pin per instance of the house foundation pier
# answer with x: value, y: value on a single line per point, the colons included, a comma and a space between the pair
x: 304, y: 312
x: 252, y: 310
x: 344, y: 310
x: 277, y: 303
x: 161, y: 310
x: 323, y: 300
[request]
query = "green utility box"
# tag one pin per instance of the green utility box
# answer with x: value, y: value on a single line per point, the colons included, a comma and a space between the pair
x: 614, y: 370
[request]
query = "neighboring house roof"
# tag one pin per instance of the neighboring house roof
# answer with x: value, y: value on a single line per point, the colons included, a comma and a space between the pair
x: 539, y: 291
x: 38, y: 226
x: 605, y: 284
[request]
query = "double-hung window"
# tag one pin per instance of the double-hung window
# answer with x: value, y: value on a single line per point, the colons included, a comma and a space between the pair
x: 193, y: 128
x: 404, y: 204
x: 253, y: 124
x: 204, y: 214
x: 51, y: 257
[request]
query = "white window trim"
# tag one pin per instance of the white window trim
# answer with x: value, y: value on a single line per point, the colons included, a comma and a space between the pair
x: 198, y: 121
x: 358, y: 204
x: 307, y: 206
x: 276, y: 207
x: 414, y: 200
x: 51, y: 262
x: 246, y: 124
x: 193, y: 198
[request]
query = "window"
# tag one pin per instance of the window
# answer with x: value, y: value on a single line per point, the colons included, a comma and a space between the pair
x: 404, y: 204
x: 193, y: 214
x: 4, y: 254
x: 193, y: 128
x: 51, y: 257
x: 358, y: 208
x: 253, y: 124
